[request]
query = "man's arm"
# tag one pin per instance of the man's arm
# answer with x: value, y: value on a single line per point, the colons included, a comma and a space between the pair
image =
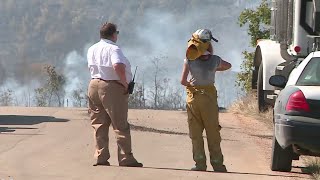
x: 121, y: 71
x: 117, y: 58
x: 224, y: 65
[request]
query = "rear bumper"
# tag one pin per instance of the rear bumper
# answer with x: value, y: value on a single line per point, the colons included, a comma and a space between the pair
x: 290, y: 130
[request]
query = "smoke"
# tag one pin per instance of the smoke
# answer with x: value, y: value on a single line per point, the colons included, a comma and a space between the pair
x: 22, y: 95
x: 148, y: 30
x: 76, y: 72
x: 163, y: 34
x: 3, y: 74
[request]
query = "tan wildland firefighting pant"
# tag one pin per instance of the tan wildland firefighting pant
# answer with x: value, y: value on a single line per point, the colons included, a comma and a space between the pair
x: 108, y: 104
x: 203, y: 114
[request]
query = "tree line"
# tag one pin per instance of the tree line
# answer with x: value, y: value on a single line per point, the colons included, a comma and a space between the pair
x: 52, y: 93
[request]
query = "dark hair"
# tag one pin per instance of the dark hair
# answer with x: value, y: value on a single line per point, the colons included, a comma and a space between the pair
x: 107, y: 30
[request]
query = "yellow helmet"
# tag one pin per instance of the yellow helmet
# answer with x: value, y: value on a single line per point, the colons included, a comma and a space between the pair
x: 199, y: 43
x: 196, y: 47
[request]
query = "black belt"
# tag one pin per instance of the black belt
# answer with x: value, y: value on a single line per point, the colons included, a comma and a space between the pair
x: 105, y: 80
x: 115, y: 81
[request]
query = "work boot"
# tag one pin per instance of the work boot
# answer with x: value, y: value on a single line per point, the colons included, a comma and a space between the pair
x: 134, y: 164
x: 221, y: 168
x: 199, y: 168
x: 106, y: 163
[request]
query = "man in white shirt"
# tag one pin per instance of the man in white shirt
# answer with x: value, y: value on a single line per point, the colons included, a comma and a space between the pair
x: 108, y: 97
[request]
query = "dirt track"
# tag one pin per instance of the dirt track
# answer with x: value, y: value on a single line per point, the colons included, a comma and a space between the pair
x: 57, y: 144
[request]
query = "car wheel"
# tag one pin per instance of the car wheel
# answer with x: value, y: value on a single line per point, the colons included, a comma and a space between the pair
x: 281, y: 159
x: 262, y: 104
x: 295, y: 156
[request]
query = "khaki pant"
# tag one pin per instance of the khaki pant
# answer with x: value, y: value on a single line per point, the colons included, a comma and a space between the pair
x: 203, y: 114
x: 108, y: 104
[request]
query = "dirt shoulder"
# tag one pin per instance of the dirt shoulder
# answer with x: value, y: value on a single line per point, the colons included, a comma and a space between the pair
x: 262, y: 133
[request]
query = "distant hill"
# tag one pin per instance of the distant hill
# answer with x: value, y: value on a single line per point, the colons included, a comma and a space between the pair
x: 58, y: 32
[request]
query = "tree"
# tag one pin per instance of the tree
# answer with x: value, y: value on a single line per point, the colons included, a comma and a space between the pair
x: 78, y: 96
x: 55, y: 84
x: 6, y: 97
x: 258, y: 21
x: 175, y: 99
x: 137, y: 99
x: 27, y: 98
x: 52, y: 93
x: 41, y: 97
x: 163, y: 93
x: 244, y: 77
x: 159, y: 84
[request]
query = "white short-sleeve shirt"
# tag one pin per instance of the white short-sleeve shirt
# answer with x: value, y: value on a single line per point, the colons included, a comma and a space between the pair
x: 101, y: 58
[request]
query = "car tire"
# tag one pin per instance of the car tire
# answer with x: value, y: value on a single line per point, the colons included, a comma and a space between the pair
x: 295, y: 156
x: 262, y: 104
x: 281, y: 159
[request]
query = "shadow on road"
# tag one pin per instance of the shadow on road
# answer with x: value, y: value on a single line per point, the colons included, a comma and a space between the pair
x: 17, y: 120
x: 148, y: 129
x: 262, y: 136
x: 11, y: 129
x: 239, y: 173
x: 226, y: 127
x: 159, y: 131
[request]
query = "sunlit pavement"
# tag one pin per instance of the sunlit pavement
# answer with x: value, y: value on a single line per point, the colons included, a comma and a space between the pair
x: 57, y: 144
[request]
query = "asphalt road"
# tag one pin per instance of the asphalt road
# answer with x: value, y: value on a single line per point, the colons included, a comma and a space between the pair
x: 57, y: 144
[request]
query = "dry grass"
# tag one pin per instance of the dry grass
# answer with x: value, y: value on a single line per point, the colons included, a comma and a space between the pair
x: 248, y: 106
x: 313, y: 166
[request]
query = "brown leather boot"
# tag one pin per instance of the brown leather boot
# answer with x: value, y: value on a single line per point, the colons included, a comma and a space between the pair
x: 199, y: 168
x: 135, y: 164
x: 106, y: 163
x: 221, y: 168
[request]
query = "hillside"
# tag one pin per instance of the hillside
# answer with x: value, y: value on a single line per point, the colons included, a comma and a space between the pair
x: 58, y: 32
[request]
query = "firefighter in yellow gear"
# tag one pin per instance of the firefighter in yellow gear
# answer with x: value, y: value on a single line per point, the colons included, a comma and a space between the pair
x: 202, y: 107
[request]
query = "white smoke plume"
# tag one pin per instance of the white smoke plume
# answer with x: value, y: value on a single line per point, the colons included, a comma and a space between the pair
x: 162, y: 34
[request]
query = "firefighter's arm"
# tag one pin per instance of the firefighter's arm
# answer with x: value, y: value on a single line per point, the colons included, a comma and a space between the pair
x: 224, y: 65
x: 185, y: 73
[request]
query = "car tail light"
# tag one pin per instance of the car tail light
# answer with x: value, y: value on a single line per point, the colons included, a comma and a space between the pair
x: 297, y: 102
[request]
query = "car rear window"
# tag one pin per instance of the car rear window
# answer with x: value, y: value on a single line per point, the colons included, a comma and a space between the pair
x: 310, y: 76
